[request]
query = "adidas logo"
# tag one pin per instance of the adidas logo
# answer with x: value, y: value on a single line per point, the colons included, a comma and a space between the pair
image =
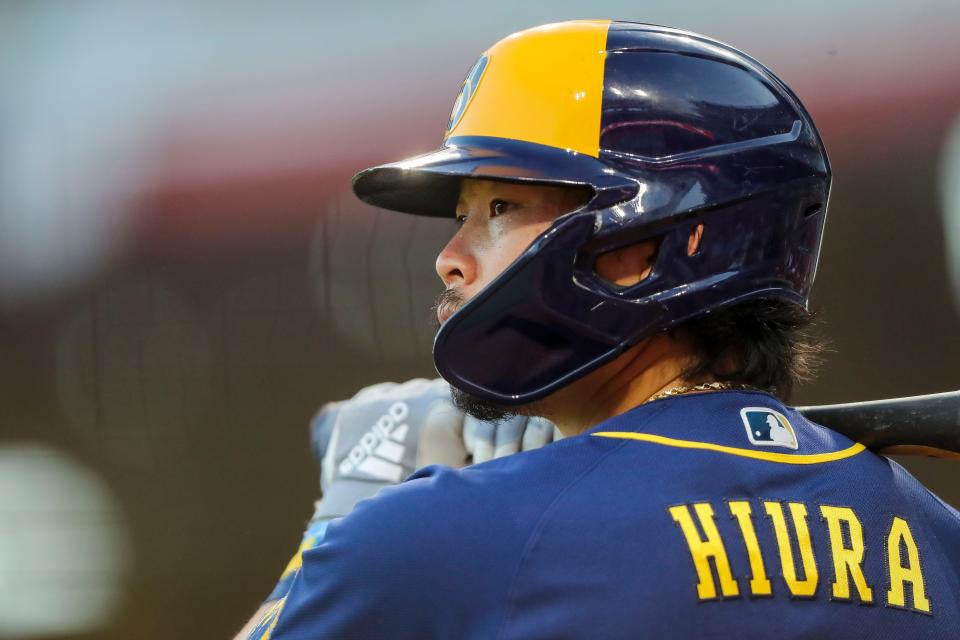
x: 380, y: 450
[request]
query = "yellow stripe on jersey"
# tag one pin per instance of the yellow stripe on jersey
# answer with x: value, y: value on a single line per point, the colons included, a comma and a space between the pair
x: 268, y: 622
x: 297, y: 560
x: 541, y: 88
x: 782, y: 458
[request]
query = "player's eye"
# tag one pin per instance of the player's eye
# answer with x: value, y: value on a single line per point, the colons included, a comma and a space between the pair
x: 499, y: 207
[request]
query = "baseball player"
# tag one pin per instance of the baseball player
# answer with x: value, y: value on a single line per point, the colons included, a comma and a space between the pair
x: 641, y: 211
x: 379, y: 437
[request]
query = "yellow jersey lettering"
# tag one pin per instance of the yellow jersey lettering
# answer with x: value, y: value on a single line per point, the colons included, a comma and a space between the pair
x: 807, y: 587
x: 900, y: 536
x: 759, y: 583
x: 702, y: 550
x: 847, y: 561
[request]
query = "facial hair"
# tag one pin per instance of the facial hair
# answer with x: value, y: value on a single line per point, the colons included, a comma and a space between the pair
x: 449, y: 299
x: 483, y: 410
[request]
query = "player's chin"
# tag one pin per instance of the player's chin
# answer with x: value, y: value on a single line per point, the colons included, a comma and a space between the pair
x: 481, y: 409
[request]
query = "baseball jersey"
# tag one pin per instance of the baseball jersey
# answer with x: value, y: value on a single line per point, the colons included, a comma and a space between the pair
x: 711, y: 515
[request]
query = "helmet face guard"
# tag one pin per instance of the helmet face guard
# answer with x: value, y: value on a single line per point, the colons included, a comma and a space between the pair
x: 687, y: 131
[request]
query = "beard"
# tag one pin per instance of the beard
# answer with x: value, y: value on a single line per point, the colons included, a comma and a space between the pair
x: 482, y: 410
x: 479, y: 408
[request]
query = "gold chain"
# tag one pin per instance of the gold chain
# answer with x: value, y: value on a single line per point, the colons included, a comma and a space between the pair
x: 706, y: 386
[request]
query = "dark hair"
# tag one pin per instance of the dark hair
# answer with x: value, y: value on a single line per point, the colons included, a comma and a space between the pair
x: 767, y: 344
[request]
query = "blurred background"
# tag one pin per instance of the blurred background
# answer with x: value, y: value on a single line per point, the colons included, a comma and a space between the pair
x: 185, y: 276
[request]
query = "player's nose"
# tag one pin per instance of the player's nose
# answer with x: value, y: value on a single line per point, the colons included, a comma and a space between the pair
x: 456, y: 265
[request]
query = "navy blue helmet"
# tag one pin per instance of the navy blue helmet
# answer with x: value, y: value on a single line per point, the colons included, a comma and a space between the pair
x: 670, y: 130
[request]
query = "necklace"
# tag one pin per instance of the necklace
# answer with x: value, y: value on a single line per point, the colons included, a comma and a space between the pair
x: 706, y: 386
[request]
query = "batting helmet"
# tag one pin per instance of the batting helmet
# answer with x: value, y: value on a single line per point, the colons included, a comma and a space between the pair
x: 670, y: 130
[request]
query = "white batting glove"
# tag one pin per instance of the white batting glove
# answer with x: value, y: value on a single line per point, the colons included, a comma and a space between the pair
x: 486, y: 441
x: 387, y: 431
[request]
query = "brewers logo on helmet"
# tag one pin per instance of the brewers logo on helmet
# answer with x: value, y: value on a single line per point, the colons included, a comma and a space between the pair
x: 670, y: 130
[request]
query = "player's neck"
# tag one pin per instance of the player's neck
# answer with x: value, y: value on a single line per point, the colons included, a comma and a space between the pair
x: 652, y: 366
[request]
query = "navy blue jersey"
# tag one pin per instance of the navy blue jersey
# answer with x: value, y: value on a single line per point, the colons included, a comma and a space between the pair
x: 712, y: 515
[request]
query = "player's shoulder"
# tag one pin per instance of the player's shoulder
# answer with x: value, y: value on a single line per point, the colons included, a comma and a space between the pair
x: 745, y: 425
x: 438, y: 510
x: 445, y: 542
x: 713, y: 443
x: 521, y: 483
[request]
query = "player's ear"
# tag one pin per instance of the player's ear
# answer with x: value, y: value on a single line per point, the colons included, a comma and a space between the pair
x: 628, y: 265
x: 631, y: 265
x: 695, y: 240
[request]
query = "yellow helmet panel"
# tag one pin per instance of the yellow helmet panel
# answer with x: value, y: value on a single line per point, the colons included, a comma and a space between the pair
x: 542, y: 85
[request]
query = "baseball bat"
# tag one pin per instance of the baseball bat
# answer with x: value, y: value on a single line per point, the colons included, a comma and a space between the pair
x: 926, y: 425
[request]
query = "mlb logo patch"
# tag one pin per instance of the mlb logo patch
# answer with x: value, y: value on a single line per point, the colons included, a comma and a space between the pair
x: 768, y: 428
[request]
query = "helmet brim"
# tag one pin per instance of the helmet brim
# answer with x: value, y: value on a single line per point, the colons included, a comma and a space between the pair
x: 429, y: 184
